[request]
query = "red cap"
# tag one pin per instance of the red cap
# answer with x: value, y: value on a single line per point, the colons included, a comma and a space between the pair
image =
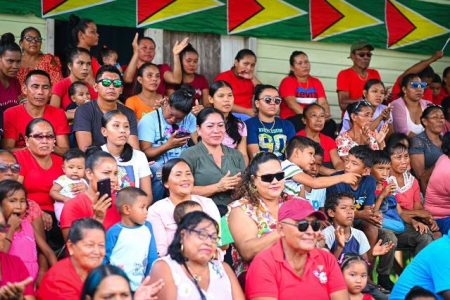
x: 298, y: 209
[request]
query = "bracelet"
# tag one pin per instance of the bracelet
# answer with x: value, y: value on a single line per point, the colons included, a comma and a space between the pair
x: 8, y: 239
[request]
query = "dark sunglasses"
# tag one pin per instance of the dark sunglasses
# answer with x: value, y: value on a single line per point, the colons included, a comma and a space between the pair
x: 31, y: 39
x: 117, y: 83
x: 302, y: 226
x: 269, y: 100
x: 269, y: 177
x: 15, y: 168
x: 417, y: 84
x: 41, y: 137
x: 368, y: 54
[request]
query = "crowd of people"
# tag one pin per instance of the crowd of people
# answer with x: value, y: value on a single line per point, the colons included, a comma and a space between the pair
x: 146, y: 181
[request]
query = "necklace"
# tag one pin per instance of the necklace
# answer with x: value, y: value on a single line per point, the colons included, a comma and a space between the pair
x: 273, y: 124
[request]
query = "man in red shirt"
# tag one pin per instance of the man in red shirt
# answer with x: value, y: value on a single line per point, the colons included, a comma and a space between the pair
x: 351, y: 81
x: 37, y: 89
x: 294, y: 267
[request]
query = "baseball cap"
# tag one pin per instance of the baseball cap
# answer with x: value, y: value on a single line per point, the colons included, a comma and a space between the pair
x: 298, y: 209
x: 359, y: 45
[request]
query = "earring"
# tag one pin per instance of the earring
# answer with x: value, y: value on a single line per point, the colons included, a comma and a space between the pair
x: 182, y: 248
x: 252, y: 188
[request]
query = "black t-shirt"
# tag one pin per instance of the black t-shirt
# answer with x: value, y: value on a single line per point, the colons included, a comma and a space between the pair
x: 88, y: 117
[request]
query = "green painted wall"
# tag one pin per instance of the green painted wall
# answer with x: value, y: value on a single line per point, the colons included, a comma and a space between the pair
x: 16, y: 23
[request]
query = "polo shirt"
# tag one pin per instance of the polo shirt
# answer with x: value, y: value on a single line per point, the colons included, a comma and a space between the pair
x: 207, y: 172
x: 270, y: 275
x: 243, y: 89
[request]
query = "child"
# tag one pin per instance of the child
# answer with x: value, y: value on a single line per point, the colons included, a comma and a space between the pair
x: 70, y: 184
x: 130, y: 244
x: 316, y: 196
x: 20, y: 239
x: 356, y: 272
x: 110, y: 57
x: 184, y: 208
x: 79, y: 94
x: 300, y: 156
x: 435, y: 86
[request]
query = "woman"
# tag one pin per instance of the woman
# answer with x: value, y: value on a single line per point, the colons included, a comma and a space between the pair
x: 299, y: 89
x: 407, y: 109
x: 10, y: 57
x: 267, y: 132
x: 260, y: 195
x: 437, y: 200
x: 314, y: 119
x: 243, y: 81
x: 294, y: 265
x: 359, y: 133
x: 374, y: 92
x: 425, y: 147
x: 189, y: 270
x: 189, y: 65
x: 148, y: 99
x: 217, y: 169
x: 221, y: 97
x: 78, y: 64
x: 39, y: 167
x: 34, y: 59
x: 178, y: 180
x: 100, y: 165
x: 133, y: 165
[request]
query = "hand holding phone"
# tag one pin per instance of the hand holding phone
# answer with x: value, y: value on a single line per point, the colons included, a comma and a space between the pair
x: 104, y: 187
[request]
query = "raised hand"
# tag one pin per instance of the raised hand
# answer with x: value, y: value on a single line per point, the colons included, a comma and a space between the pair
x: 135, y: 44
x: 228, y: 182
x: 179, y: 46
x: 100, y: 206
x: 147, y: 290
x: 382, y: 249
x: 340, y: 236
x: 196, y: 108
x: 381, y: 135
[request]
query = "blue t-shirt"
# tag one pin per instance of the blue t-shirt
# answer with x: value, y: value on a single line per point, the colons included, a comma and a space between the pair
x: 133, y: 249
x: 430, y: 269
x: 364, y: 194
x: 357, y: 243
x: 270, y: 137
x: 154, y: 129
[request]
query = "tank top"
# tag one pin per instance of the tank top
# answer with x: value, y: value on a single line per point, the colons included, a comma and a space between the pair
x: 413, y: 127
x: 24, y: 247
x: 219, y: 284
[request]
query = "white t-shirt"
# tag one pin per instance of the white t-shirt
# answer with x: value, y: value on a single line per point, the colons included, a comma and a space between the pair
x: 66, y: 183
x: 316, y: 197
x: 130, y: 172
x: 356, y: 244
x: 290, y: 169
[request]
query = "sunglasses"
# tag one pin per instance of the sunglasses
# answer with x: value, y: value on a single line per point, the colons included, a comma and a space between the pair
x: 41, y: 137
x: 368, y: 54
x: 31, y: 39
x: 417, y: 84
x: 269, y: 177
x: 363, y: 103
x: 302, y: 226
x: 269, y: 100
x: 15, y: 168
x: 117, y: 83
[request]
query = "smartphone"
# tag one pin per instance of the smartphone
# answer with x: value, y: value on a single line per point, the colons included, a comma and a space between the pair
x: 182, y: 134
x: 104, y: 187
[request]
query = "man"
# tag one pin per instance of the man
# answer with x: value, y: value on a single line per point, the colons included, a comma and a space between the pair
x: 88, y: 117
x: 351, y: 81
x: 293, y: 267
x: 430, y: 269
x: 37, y: 90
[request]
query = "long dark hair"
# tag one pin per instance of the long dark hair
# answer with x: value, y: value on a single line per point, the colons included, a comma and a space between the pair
x: 292, y: 59
x: 233, y: 124
x: 7, y: 43
x: 127, y: 151
x: 183, y: 52
x: 78, y: 25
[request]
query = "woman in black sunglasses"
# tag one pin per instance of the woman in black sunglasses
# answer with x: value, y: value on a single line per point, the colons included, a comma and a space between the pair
x: 306, y: 271
x: 260, y: 194
x: 267, y: 132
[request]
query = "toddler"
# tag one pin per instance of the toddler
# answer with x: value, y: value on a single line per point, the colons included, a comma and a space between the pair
x: 356, y: 272
x: 183, y: 208
x: 79, y: 94
x: 110, y: 57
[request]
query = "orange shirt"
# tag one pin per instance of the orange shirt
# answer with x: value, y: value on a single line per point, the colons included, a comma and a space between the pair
x: 138, y: 106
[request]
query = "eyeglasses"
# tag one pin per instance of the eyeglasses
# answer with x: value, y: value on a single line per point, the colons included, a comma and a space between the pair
x: 15, y: 168
x: 302, y: 226
x: 364, y: 54
x: 41, y: 137
x: 117, y: 83
x: 417, y: 84
x: 269, y: 177
x: 31, y: 39
x: 269, y: 100
x: 4, y: 228
x: 204, y: 236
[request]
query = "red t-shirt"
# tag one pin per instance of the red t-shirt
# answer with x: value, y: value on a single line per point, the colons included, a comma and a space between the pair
x: 411, y: 196
x: 441, y: 96
x: 270, y: 275
x: 243, y: 89
x: 305, y: 93
x: 396, y: 90
x: 61, y: 282
x: 9, y: 97
x: 14, y: 270
x: 37, y: 180
x: 81, y: 207
x: 95, y: 65
x: 61, y: 89
x: 17, y: 118
x: 349, y: 81
x: 326, y: 142
x: 199, y: 83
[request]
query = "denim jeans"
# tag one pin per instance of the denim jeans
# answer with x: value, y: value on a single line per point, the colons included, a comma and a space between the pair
x: 158, y: 189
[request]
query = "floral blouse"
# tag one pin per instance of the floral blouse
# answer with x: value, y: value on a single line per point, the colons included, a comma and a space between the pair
x: 48, y: 63
x: 344, y: 143
x: 264, y: 221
